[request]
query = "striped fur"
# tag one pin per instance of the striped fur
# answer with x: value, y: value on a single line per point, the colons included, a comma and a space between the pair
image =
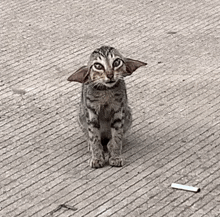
x: 104, y: 112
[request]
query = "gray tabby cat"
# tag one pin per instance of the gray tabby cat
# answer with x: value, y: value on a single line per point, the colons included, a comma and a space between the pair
x: 104, y: 113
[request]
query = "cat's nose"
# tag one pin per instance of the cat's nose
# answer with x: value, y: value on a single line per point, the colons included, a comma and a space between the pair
x: 110, y: 75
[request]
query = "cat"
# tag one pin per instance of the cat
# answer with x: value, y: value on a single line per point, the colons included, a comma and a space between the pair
x: 104, y: 114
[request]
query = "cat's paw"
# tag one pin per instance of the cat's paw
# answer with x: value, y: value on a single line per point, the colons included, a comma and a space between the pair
x: 97, y: 163
x: 116, y: 162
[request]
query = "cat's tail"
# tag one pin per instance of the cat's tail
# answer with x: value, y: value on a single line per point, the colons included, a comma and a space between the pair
x: 105, y: 142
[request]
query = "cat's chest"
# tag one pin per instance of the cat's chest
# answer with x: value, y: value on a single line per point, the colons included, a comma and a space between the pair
x: 104, y: 97
x: 104, y: 100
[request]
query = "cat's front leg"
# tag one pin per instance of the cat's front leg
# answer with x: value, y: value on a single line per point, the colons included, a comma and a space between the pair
x: 115, y: 144
x: 95, y: 146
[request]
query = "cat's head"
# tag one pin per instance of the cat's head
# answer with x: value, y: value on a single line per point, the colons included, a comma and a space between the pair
x: 105, y: 67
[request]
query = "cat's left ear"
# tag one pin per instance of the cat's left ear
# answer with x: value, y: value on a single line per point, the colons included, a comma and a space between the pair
x: 81, y: 75
x: 132, y: 65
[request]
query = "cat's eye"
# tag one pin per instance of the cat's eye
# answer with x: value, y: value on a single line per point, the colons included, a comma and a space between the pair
x: 117, y: 63
x: 98, y: 66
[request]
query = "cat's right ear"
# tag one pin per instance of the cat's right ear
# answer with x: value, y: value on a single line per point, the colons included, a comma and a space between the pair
x: 81, y: 75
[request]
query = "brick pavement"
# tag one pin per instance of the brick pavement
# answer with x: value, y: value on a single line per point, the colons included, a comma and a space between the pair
x: 175, y: 102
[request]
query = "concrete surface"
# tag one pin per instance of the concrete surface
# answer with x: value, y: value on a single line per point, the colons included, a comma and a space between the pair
x: 175, y: 100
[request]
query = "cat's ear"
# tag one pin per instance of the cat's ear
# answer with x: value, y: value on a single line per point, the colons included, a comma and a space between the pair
x: 132, y: 65
x: 81, y: 75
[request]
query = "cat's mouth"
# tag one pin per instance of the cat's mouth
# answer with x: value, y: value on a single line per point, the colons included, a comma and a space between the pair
x: 110, y: 83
